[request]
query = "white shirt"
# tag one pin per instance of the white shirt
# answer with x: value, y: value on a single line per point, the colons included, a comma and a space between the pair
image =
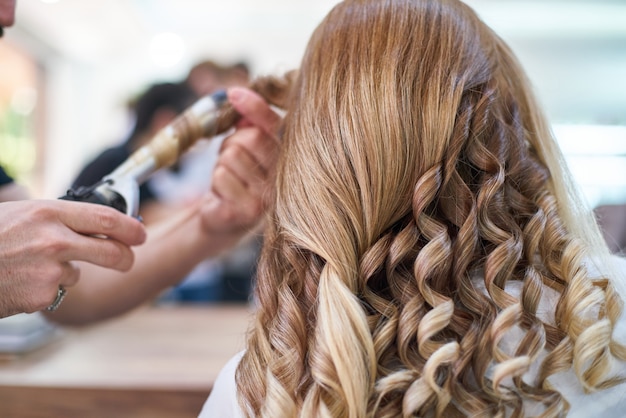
x: 608, y: 403
x: 222, y: 401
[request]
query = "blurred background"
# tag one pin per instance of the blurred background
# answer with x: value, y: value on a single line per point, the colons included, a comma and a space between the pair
x: 69, y: 67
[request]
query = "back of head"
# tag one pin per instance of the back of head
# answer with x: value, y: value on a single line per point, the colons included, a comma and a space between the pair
x: 421, y: 216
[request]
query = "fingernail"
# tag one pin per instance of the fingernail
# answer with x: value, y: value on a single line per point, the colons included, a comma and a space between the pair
x: 235, y: 95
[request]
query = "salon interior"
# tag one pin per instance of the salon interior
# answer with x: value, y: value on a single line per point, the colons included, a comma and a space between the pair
x: 69, y: 70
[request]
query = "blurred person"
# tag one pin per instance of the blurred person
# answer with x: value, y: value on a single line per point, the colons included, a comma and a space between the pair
x: 40, y: 239
x: 237, y: 74
x: 205, y: 77
x: 426, y: 253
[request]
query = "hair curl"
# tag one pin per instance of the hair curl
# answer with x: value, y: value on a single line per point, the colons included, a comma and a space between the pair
x: 424, y: 255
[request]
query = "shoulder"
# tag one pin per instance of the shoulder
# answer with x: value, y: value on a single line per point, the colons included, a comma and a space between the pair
x: 607, y: 403
x: 619, y: 283
x: 222, y: 401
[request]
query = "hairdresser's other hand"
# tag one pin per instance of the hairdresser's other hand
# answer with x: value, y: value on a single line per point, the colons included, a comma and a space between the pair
x: 245, y: 167
x: 39, y: 239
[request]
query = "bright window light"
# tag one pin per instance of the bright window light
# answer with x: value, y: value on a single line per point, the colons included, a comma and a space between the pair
x: 596, y: 156
x: 167, y: 49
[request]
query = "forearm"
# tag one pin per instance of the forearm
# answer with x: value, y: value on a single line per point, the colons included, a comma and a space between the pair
x: 172, y: 250
x: 232, y: 207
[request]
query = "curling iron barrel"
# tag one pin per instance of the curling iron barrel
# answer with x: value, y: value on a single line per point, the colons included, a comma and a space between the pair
x: 120, y: 189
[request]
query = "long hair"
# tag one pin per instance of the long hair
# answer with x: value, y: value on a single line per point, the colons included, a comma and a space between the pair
x: 426, y: 254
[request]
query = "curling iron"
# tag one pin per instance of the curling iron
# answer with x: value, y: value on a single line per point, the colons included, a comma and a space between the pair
x: 120, y: 189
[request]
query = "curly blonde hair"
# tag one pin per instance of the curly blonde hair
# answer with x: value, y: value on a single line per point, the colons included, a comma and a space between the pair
x: 426, y: 254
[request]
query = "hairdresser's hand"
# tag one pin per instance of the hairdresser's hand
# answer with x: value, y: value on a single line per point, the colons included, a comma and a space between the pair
x: 39, y: 239
x: 245, y: 168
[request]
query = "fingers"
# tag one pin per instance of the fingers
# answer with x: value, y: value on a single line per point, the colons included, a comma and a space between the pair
x: 252, y: 145
x: 92, y: 219
x: 243, y: 165
x: 77, y: 231
x: 70, y: 275
x: 229, y: 188
x: 41, y: 238
x: 255, y: 109
x: 244, y: 168
x: 43, y: 292
x: 249, y: 155
x: 100, y: 251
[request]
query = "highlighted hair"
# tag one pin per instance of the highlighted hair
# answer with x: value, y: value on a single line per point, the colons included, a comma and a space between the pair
x: 426, y: 249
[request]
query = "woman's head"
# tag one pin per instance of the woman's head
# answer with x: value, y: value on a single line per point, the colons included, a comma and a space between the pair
x: 392, y: 91
x: 415, y: 161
